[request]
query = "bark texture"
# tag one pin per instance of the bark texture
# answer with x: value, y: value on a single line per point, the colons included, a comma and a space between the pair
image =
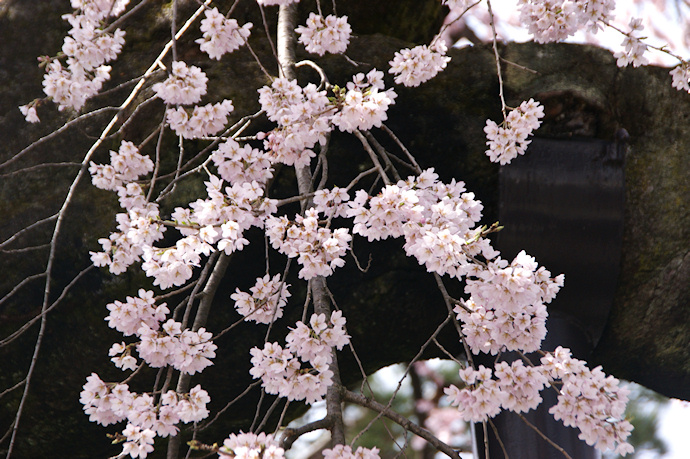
x: 393, y: 307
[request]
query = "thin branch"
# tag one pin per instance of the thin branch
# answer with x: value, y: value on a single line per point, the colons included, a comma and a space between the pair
x: 25, y: 170
x: 494, y: 40
x: 404, y: 422
x: 55, y: 303
x: 373, y: 157
x: 228, y: 405
x: 54, y: 134
x: 548, y: 440
x: 291, y: 434
x: 383, y: 154
x: 402, y: 147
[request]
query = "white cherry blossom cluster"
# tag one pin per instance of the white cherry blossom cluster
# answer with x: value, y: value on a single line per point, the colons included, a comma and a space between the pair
x: 303, y: 118
x: 281, y: 369
x: 250, y: 445
x: 437, y: 221
x: 364, y: 103
x: 509, y: 140
x: 221, y: 35
x: 413, y: 67
x: 140, y: 225
x: 331, y: 202
x: 238, y: 164
x: 590, y: 401
x: 325, y: 35
x: 29, y: 112
x: 129, y: 316
x: 266, y: 301
x: 319, y: 250
x: 185, y: 350
x: 88, y: 48
x: 516, y: 389
x: 146, y: 418
x: 97, y: 10
x: 122, y: 356
x: 633, y: 47
x: 345, y: 452
x: 184, y: 86
x: 126, y: 165
x: 555, y: 20
x: 203, y: 120
x: 506, y: 309
x: 681, y: 76
x: 218, y: 220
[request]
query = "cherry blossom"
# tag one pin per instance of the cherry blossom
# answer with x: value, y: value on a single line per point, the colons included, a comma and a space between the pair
x: 184, y: 86
x: 29, y: 112
x: 413, y: 67
x: 203, y: 120
x: 325, y: 35
x: 345, y: 452
x: 266, y: 302
x: 633, y: 47
x: 221, y: 35
x: 281, y: 369
x: 261, y: 445
x: 509, y: 140
x: 364, y: 103
x: 303, y: 116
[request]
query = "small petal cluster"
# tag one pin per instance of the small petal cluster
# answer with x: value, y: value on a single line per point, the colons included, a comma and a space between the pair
x: 516, y: 389
x: 129, y: 316
x: 633, y: 47
x: 413, y: 67
x: 88, y: 48
x: 325, y: 35
x: 281, y: 369
x: 331, y: 202
x: 681, y: 76
x: 138, y: 228
x: 345, y: 452
x: 509, y: 140
x: 555, y: 20
x: 364, y: 104
x: 122, y: 356
x: 184, y: 86
x: 221, y: 35
x: 506, y: 309
x: 100, y: 9
x: 437, y: 221
x: 126, y: 165
x: 251, y: 446
x: 220, y: 219
x: 238, y: 164
x: 146, y: 418
x: 29, y: 112
x: 266, y: 301
x: 185, y: 350
x: 319, y: 250
x: 203, y: 120
x: 303, y: 117
x: 590, y: 401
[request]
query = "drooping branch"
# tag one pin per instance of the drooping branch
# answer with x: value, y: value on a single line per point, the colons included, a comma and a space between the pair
x: 399, y: 419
